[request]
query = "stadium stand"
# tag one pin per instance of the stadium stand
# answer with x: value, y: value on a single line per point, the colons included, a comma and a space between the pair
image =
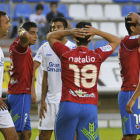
x: 115, y: 13
x: 121, y: 30
x: 109, y: 27
x: 121, y: 1
x: 128, y: 8
x: 79, y: 14
x: 135, y: 1
x: 20, y: 11
x: 62, y: 8
x: 97, y: 12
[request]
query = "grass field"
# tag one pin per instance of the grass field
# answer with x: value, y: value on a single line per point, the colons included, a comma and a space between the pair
x: 104, y: 133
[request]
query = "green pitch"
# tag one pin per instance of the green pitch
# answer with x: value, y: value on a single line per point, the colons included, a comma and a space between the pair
x: 104, y: 133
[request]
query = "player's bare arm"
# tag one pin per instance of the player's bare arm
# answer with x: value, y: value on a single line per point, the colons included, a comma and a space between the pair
x: 133, y: 99
x: 43, y: 95
x: 53, y: 37
x: 113, y: 40
x: 36, y: 65
x: 3, y: 106
x: 24, y: 37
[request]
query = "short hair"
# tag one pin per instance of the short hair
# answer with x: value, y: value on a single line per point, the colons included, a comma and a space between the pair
x: 39, y: 6
x: 2, y: 13
x: 128, y: 25
x: 53, y: 3
x: 83, y: 41
x: 59, y: 19
x: 27, y: 25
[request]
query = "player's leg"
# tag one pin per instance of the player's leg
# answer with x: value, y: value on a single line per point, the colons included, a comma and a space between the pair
x: 130, y: 122
x: 129, y: 137
x: 38, y: 96
x: 20, y: 109
x: 9, y: 133
x: 46, y: 125
x: 88, y: 124
x: 25, y: 135
x: 7, y: 126
x: 66, y: 121
x: 45, y: 134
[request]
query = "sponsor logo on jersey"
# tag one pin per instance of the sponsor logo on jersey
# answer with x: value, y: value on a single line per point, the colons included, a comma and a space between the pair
x: 92, y: 134
x: 106, y: 48
x: 81, y: 93
x: 12, y: 81
x: 53, y: 67
x: 134, y: 37
x: 1, y: 61
x: 48, y: 54
x: 82, y: 60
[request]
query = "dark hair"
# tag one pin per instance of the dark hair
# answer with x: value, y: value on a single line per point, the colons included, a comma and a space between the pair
x: 83, y: 41
x: 53, y: 3
x: 39, y: 6
x: 128, y: 25
x: 27, y: 25
x: 59, y: 19
x: 2, y: 13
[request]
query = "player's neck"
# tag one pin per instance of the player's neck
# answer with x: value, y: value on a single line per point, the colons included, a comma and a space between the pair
x: 86, y: 46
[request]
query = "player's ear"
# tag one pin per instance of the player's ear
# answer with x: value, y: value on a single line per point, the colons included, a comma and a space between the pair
x: 132, y: 28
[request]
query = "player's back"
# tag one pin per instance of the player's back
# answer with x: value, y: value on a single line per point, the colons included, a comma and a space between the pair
x: 80, y: 70
x: 129, y: 57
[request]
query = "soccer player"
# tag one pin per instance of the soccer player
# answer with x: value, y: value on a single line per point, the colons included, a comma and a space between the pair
x: 80, y: 70
x: 129, y: 57
x: 21, y: 73
x: 52, y: 85
x: 6, y: 124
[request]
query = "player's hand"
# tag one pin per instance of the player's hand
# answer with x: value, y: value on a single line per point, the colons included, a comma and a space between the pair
x: 129, y: 106
x: 43, y: 109
x: 135, y: 18
x: 77, y: 32
x: 89, y: 30
x: 21, y: 31
x: 3, y: 106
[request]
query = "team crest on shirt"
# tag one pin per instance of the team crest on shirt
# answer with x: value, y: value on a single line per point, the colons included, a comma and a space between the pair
x: 12, y: 81
x: 106, y: 48
x: 137, y: 126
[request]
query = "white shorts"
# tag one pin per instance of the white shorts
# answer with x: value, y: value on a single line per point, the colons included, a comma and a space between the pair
x: 48, y: 122
x: 5, y: 119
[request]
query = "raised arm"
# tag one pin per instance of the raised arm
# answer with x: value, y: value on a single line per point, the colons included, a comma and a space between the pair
x: 24, y: 37
x: 53, y: 37
x: 113, y: 40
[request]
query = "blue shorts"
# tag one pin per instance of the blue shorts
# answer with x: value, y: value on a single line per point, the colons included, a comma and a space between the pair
x: 19, y: 106
x: 130, y: 122
x: 75, y: 117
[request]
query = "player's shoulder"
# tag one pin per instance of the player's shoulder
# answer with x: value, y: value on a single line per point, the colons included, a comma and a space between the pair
x: 127, y: 37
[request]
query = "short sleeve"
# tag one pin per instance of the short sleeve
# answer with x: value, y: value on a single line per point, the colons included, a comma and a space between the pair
x: 130, y: 42
x: 60, y: 49
x: 104, y: 51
